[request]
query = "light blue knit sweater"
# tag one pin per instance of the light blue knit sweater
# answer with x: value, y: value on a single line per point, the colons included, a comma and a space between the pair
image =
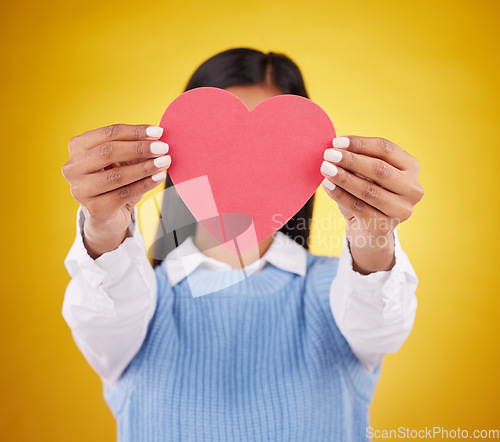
x: 262, y: 360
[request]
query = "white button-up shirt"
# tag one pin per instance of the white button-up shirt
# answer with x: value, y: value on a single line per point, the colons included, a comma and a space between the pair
x: 110, y: 300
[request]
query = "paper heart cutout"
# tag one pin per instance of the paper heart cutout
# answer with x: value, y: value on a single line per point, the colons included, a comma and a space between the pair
x: 239, y: 166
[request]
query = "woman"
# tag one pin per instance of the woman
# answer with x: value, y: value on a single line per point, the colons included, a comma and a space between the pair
x: 290, y: 352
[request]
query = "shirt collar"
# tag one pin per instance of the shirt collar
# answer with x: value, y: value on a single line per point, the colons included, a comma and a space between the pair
x: 284, y: 253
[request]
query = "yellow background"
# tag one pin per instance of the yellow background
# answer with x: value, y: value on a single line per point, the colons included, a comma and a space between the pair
x: 422, y: 74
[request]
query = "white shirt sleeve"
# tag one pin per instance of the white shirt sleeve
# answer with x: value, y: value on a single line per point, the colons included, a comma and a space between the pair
x: 374, y: 312
x: 109, y: 301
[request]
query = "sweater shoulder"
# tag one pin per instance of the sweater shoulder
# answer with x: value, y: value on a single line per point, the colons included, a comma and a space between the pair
x: 321, y: 270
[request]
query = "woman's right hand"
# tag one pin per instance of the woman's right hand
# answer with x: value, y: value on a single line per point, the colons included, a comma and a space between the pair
x: 109, y: 170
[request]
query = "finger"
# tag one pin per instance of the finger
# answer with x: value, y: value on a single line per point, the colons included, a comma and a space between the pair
x: 371, y: 218
x: 109, y: 203
x: 114, y: 132
x: 108, y: 180
x: 378, y: 148
x: 370, y: 193
x: 375, y: 169
x: 115, y: 152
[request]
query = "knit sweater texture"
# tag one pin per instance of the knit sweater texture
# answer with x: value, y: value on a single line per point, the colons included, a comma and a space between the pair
x: 260, y: 360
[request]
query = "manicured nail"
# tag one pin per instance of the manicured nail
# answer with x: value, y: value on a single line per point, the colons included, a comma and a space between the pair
x: 328, y: 184
x: 159, y: 176
x: 328, y: 168
x: 154, y: 132
x: 341, y: 142
x: 332, y: 155
x: 163, y: 161
x: 159, y: 148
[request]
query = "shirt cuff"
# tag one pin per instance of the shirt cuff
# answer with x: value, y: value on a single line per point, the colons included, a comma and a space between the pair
x: 110, y: 265
x: 383, y: 278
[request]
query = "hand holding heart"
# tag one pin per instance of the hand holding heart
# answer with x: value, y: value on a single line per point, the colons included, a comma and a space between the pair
x: 375, y: 184
x: 264, y: 164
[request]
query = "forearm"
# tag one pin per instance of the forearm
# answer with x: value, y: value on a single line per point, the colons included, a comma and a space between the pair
x: 109, y: 325
x: 374, y: 312
x: 109, y: 301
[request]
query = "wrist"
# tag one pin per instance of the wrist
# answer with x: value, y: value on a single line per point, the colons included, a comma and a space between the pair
x: 371, y: 253
x: 100, y: 238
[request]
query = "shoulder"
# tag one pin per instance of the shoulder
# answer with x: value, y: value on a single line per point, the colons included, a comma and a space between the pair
x: 163, y: 284
x: 321, y: 269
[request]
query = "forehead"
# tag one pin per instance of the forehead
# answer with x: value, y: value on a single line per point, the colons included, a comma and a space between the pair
x: 254, y: 94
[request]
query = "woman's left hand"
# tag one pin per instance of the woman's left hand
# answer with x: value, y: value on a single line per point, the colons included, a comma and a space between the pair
x: 375, y: 184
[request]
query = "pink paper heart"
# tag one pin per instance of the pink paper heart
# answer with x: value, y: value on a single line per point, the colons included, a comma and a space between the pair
x: 264, y: 164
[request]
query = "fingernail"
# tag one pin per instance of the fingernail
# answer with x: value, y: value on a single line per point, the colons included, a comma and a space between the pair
x: 332, y: 155
x: 341, y: 142
x: 159, y: 176
x: 328, y: 184
x: 159, y: 148
x: 163, y: 161
x: 154, y: 131
x: 328, y: 168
